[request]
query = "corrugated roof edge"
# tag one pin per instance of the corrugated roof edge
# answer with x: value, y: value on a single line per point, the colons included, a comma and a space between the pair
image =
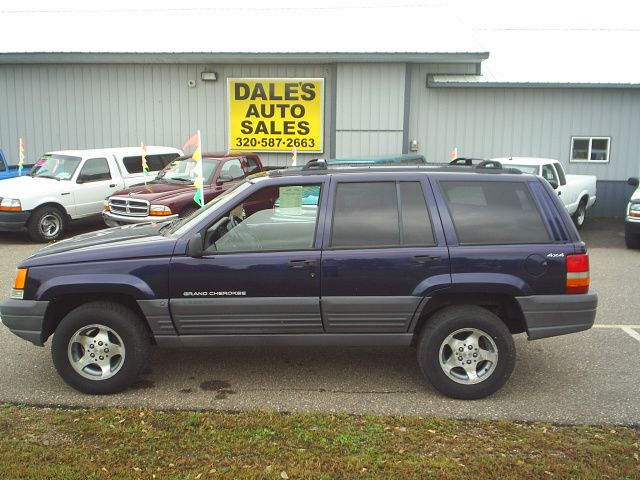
x: 240, y: 57
x: 478, y: 81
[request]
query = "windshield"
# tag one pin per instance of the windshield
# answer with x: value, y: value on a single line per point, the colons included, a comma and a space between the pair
x: 184, y: 170
x: 59, y: 167
x: 183, y: 225
x: 523, y: 168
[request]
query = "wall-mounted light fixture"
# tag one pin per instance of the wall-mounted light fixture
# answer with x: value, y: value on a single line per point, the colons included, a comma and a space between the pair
x: 209, y: 76
x: 413, y: 145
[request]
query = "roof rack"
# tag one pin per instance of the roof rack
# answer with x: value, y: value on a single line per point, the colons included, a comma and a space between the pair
x: 321, y: 166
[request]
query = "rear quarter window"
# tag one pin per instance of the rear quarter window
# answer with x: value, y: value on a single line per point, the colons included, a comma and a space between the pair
x: 486, y: 213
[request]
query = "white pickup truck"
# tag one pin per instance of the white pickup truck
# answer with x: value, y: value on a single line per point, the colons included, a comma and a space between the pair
x: 72, y: 184
x: 632, y: 220
x: 577, y: 192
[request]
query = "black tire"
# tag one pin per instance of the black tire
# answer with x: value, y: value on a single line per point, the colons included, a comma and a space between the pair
x: 631, y: 239
x: 580, y: 215
x: 433, y: 345
x: 129, y: 337
x: 47, y: 223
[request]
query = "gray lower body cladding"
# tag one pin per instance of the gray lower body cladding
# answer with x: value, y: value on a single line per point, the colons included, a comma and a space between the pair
x: 24, y: 318
x: 551, y: 315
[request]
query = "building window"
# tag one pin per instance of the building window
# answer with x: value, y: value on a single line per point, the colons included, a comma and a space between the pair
x: 590, y: 149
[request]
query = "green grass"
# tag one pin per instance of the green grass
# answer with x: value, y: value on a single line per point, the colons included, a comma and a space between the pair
x: 131, y: 443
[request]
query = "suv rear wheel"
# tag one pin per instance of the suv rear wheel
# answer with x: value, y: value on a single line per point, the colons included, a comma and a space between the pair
x: 466, y: 352
x: 100, y: 348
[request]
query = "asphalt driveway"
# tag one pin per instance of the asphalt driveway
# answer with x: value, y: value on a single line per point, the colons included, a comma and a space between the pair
x: 589, y: 377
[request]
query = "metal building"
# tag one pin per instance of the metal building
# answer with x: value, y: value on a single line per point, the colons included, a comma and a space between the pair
x: 488, y: 94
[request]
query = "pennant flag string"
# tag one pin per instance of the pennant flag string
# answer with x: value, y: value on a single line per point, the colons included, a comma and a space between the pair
x: 195, y: 141
x: 294, y: 156
x: 21, y: 149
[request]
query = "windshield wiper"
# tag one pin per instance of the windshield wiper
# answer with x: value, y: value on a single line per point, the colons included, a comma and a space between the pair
x: 180, y: 179
x: 172, y: 223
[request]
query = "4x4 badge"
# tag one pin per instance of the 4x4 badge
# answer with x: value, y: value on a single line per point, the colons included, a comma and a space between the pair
x: 555, y: 255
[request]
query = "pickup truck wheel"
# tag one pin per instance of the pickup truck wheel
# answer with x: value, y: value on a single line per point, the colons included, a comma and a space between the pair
x: 580, y: 215
x: 46, y: 224
x: 632, y: 240
x: 466, y: 352
x: 100, y: 348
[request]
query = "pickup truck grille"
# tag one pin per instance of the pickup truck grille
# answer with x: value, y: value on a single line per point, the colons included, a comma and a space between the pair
x: 129, y: 207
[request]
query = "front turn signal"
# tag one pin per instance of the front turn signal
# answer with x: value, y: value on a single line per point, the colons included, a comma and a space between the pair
x: 18, y: 285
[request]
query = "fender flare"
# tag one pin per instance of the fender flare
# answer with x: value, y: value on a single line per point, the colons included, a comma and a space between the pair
x: 103, y: 283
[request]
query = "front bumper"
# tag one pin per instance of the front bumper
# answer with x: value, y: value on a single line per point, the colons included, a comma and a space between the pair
x: 632, y: 225
x: 552, y: 315
x: 24, y: 318
x: 113, y: 220
x: 14, y: 221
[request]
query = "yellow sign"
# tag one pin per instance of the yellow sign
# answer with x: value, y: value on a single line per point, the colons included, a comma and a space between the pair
x: 276, y: 114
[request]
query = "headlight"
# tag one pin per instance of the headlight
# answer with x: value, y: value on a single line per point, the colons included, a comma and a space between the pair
x: 10, y: 205
x: 634, y: 209
x: 159, y: 210
x: 18, y: 285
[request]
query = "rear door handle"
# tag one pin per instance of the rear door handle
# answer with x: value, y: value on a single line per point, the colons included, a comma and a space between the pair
x: 301, y: 263
x: 426, y: 258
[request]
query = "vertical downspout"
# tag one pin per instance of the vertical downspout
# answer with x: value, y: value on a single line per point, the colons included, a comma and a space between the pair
x: 333, y: 114
x: 407, y: 107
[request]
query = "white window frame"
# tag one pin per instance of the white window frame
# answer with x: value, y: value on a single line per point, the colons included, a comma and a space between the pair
x: 588, y: 160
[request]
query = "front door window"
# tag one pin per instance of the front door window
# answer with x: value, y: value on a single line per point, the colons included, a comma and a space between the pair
x: 274, y: 218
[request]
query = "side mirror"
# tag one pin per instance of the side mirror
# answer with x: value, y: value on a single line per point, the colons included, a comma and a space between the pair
x: 81, y: 178
x: 195, y: 247
x: 553, y: 184
x: 633, y: 181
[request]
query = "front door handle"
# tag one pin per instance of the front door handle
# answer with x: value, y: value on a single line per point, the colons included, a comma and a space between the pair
x: 112, y: 185
x: 302, y: 263
x: 426, y: 258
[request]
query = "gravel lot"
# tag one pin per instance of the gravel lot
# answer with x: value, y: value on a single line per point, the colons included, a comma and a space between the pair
x: 589, y: 377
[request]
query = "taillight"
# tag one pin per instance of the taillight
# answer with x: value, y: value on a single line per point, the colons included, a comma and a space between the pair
x: 578, y: 273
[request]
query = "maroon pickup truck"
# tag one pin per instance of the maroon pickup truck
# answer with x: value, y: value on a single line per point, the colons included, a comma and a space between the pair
x: 170, y: 194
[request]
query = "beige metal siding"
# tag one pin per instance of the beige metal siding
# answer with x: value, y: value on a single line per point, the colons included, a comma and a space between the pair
x: 57, y: 107
x: 497, y: 122
x: 370, y: 109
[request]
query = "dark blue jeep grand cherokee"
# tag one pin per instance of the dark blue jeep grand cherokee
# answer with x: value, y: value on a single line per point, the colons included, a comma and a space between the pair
x: 450, y: 260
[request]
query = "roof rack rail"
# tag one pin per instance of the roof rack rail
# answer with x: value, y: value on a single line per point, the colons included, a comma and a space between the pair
x: 466, y: 161
x: 489, y: 164
x: 315, y: 164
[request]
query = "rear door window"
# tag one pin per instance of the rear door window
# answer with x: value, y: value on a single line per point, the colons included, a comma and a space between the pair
x: 486, y: 213
x: 380, y: 214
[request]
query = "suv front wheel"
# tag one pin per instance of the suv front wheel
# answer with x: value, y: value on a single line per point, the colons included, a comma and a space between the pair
x: 466, y: 352
x: 100, y: 348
